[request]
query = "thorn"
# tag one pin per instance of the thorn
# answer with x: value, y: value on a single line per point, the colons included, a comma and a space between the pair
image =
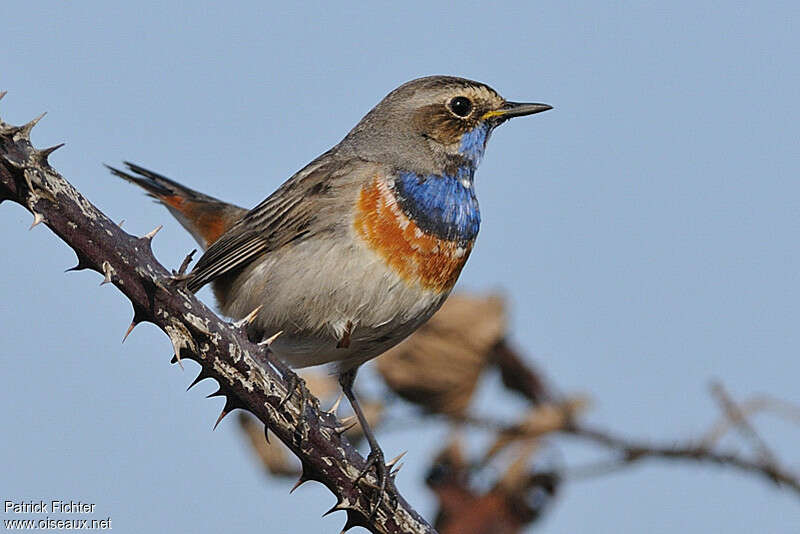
x: 218, y: 393
x: 79, y: 267
x: 177, y: 349
x: 200, y: 377
x: 222, y: 415
x: 152, y: 233
x: 349, y: 419
x: 45, y: 152
x: 397, y: 469
x: 230, y: 404
x: 26, y: 128
x: 396, y: 459
x: 267, y: 342
x: 335, y: 508
x: 2, y: 94
x: 347, y: 424
x: 300, y: 481
x: 37, y: 218
x: 130, y: 329
x: 121, y: 222
x: 249, y: 318
x: 335, y: 405
x: 107, y: 269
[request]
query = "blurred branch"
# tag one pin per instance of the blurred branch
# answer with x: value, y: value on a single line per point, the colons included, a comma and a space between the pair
x: 739, y: 419
x: 438, y: 369
x: 560, y: 417
x: 631, y: 451
x: 749, y: 408
x: 246, y: 378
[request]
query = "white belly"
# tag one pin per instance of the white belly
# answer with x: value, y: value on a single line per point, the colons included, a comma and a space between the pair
x: 313, y: 290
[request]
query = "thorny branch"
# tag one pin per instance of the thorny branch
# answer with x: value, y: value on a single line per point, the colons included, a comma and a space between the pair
x: 246, y: 379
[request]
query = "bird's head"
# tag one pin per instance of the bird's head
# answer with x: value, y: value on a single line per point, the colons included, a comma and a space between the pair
x: 434, y: 125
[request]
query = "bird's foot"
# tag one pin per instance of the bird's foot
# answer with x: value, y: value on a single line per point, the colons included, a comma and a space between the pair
x: 295, y: 383
x: 179, y: 280
x: 375, y: 459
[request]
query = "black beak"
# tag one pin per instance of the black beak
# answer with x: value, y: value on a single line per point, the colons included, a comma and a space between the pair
x: 520, y: 109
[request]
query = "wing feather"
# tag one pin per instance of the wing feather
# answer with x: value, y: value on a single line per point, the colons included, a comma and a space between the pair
x: 286, y: 216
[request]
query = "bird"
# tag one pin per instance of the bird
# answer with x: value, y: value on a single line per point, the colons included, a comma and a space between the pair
x: 360, y: 247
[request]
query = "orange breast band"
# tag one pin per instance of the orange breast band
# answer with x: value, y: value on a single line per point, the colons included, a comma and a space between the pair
x: 418, y: 258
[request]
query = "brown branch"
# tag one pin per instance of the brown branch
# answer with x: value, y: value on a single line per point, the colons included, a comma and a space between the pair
x: 223, y: 351
x: 629, y: 451
x: 749, y: 407
x: 735, y: 414
x: 632, y: 451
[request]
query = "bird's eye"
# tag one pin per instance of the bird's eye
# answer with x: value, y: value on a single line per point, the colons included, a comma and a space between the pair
x: 460, y: 106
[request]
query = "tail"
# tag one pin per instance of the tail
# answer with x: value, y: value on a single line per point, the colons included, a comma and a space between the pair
x: 205, y: 217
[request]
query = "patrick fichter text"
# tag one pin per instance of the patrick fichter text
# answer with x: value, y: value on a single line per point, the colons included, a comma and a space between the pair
x: 48, y: 507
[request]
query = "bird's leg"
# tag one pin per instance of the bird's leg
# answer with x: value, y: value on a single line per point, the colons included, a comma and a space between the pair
x: 375, y: 457
x: 294, y: 381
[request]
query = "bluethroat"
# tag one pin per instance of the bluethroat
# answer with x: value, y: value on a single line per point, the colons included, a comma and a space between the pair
x: 361, y: 246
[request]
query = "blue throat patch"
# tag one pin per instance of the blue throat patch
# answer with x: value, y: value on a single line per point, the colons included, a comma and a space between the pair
x: 443, y: 205
x: 473, y: 143
x: 439, y: 205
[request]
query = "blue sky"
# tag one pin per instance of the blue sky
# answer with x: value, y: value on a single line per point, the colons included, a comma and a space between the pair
x: 644, y: 231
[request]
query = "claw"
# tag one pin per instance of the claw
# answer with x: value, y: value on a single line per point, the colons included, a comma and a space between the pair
x: 295, y: 382
x: 375, y: 459
x: 184, y: 265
